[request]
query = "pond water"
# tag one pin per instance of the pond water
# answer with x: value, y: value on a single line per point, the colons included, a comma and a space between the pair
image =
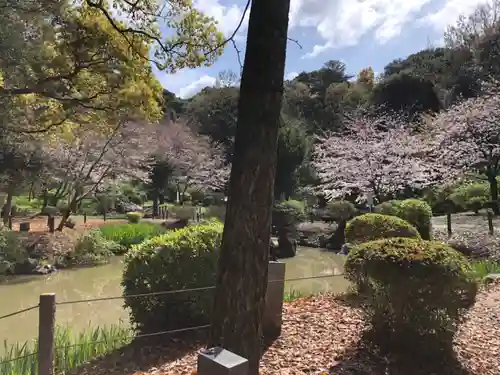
x: 22, y: 292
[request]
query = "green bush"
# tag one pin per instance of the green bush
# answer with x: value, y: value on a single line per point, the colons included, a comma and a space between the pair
x: 388, y: 208
x: 296, y: 210
x: 11, y: 250
x: 472, y: 196
x: 419, y: 214
x: 183, y: 212
x: 341, y: 210
x: 439, y: 199
x: 414, y: 293
x: 127, y: 235
x: 90, y: 249
x: 133, y: 217
x: 181, y: 259
x: 369, y: 227
x: 216, y: 211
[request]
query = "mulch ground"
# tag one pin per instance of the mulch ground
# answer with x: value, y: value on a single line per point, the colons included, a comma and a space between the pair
x: 321, y: 336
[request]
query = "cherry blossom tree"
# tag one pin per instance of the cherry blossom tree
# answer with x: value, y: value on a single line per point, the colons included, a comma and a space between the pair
x: 81, y: 161
x: 467, y: 137
x: 379, y: 156
x: 196, y: 161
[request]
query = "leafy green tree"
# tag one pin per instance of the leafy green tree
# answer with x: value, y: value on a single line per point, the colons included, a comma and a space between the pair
x: 214, y: 113
x: 293, y: 149
x: 407, y: 94
x: 81, y: 61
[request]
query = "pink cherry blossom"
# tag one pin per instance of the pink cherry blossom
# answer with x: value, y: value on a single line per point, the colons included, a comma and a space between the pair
x: 379, y: 156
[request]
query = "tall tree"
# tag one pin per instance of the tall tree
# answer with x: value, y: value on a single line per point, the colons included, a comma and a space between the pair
x: 380, y: 156
x: 468, y: 138
x: 407, y: 94
x: 243, y: 262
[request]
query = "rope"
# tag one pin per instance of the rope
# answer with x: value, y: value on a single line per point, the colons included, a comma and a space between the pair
x: 138, y: 336
x: 18, y: 358
x: 19, y: 312
x: 165, y: 292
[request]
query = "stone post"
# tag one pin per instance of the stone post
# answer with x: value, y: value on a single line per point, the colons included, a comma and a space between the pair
x: 272, y: 320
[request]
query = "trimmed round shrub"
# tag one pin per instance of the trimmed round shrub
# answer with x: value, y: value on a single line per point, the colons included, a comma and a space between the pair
x: 370, y: 227
x: 388, y: 208
x: 133, y: 217
x: 341, y: 210
x: 293, y: 209
x: 419, y: 214
x: 414, y: 293
x: 182, y: 259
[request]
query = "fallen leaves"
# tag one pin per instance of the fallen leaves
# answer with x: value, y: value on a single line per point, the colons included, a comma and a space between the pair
x: 318, y: 337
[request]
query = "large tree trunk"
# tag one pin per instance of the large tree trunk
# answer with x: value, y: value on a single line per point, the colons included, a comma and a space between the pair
x: 242, y: 273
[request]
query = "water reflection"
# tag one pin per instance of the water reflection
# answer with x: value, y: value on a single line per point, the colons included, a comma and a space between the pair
x: 23, y: 291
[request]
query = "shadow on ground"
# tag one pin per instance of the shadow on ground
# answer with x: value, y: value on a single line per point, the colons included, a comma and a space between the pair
x: 359, y: 361
x: 143, y: 355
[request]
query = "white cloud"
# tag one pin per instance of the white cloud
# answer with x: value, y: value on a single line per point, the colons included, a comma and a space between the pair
x: 343, y: 23
x: 195, y: 87
x: 448, y: 14
x: 291, y: 75
x: 228, y: 17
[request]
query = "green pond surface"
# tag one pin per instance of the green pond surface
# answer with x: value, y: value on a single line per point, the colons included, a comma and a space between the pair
x: 21, y: 292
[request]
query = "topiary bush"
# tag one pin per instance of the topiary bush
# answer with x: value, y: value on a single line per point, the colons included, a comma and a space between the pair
x: 295, y: 210
x: 369, y: 227
x: 133, y: 217
x: 419, y: 214
x: 127, y: 235
x: 341, y: 210
x: 181, y: 259
x: 471, y: 196
x: 414, y: 293
x: 388, y: 208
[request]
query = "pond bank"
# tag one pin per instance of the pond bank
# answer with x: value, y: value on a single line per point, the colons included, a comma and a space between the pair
x: 104, y: 281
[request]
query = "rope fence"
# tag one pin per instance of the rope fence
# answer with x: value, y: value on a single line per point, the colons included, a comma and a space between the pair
x: 47, y: 311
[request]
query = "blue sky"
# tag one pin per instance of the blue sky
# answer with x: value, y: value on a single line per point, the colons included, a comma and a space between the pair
x: 361, y: 33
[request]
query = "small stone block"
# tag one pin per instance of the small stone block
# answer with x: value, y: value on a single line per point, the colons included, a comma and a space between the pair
x: 218, y: 361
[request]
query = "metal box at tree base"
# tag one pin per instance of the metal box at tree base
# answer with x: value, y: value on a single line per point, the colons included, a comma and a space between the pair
x: 218, y: 361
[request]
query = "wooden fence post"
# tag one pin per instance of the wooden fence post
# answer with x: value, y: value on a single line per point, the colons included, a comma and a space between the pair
x: 46, y: 328
x: 51, y: 223
x: 490, y: 222
x: 84, y: 218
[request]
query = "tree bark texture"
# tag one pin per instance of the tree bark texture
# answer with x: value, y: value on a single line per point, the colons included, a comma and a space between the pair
x: 243, y: 264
